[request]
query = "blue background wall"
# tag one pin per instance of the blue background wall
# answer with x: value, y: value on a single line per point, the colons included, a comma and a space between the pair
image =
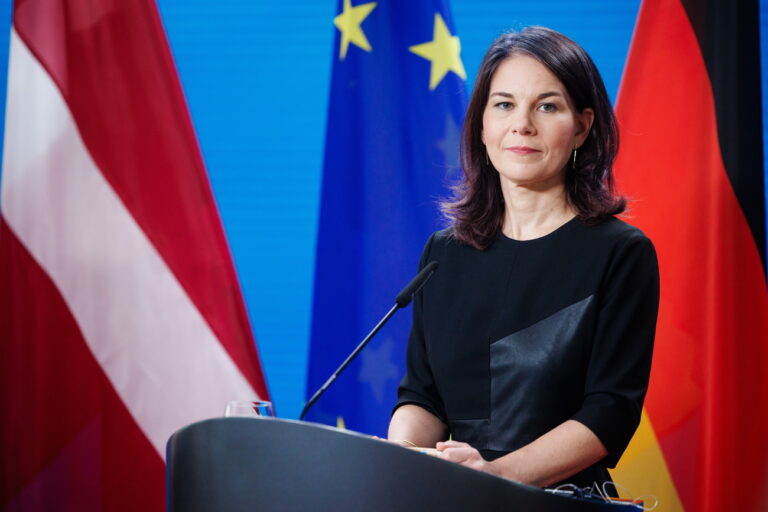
x: 256, y: 78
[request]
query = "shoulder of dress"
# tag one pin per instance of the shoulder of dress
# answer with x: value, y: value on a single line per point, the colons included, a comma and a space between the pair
x: 619, y: 232
x: 444, y: 235
x: 443, y: 243
x: 440, y: 239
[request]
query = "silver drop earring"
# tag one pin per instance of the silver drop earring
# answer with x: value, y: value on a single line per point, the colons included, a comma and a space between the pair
x: 574, y: 158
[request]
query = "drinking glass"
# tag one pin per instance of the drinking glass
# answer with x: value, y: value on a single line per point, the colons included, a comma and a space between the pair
x: 249, y: 409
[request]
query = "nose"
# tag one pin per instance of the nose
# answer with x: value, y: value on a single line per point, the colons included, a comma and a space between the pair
x: 521, y: 123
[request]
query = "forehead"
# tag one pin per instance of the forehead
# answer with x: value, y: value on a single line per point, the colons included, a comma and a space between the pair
x: 521, y: 74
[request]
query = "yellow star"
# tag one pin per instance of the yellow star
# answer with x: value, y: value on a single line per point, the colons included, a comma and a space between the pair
x: 340, y: 423
x: 348, y: 23
x: 443, y: 51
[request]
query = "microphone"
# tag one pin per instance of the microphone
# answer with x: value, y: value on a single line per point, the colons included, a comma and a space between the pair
x: 404, y: 297
x: 402, y: 300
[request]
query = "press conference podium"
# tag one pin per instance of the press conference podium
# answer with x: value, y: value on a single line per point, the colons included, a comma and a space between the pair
x: 267, y: 464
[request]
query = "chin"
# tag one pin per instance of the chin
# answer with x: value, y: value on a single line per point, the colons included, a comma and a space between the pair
x: 529, y: 179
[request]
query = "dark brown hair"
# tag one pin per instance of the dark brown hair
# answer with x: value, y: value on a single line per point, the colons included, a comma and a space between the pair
x: 477, y: 209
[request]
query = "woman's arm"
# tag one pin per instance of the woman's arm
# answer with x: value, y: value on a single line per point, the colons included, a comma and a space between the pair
x: 563, y: 451
x: 411, y: 424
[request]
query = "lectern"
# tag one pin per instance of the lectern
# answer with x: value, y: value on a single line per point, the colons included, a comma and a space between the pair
x: 267, y: 464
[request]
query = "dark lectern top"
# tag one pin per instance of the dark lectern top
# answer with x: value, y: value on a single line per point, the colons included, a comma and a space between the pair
x: 266, y: 464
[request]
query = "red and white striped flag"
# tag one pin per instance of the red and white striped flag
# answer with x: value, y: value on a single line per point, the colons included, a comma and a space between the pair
x: 121, y: 318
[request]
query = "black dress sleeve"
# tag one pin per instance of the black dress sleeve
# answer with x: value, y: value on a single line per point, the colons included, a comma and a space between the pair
x: 418, y: 384
x: 620, y: 359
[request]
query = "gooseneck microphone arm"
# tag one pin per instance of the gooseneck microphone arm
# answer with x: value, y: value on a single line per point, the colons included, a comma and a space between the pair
x: 402, y: 300
x: 346, y: 362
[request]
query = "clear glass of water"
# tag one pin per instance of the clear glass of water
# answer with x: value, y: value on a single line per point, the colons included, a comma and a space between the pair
x: 249, y: 409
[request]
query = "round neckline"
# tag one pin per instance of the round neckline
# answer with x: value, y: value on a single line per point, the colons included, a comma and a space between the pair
x: 563, y: 227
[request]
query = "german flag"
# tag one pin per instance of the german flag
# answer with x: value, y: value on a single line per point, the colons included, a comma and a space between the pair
x: 691, y: 161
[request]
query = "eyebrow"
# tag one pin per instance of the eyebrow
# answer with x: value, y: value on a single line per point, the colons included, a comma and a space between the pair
x: 539, y: 97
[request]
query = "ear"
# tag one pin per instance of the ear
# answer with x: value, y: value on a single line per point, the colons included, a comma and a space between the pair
x: 584, y: 121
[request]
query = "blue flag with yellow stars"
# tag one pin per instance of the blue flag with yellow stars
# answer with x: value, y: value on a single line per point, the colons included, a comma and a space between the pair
x: 396, y: 106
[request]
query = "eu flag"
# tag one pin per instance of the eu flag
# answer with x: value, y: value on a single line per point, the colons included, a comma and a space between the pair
x: 396, y: 105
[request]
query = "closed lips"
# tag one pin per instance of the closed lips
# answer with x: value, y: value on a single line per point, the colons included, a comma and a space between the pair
x: 522, y: 150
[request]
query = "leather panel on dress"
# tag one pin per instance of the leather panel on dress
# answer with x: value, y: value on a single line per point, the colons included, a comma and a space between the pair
x: 537, y: 366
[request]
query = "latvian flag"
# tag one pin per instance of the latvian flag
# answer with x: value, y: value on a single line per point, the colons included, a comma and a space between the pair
x: 121, y: 318
x: 691, y: 160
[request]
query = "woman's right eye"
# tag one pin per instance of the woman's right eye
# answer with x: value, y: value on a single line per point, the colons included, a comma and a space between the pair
x: 504, y: 105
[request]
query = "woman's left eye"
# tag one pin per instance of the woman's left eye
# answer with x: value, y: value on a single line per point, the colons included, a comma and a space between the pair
x: 548, y: 107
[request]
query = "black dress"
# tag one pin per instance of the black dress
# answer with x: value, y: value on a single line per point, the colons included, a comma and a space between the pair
x: 510, y: 342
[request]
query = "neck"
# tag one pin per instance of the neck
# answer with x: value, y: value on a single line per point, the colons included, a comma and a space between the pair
x: 532, y: 213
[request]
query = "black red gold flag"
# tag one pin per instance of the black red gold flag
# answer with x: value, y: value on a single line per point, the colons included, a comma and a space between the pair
x: 691, y: 161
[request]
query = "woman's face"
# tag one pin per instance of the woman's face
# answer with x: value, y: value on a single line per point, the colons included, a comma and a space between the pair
x: 530, y: 126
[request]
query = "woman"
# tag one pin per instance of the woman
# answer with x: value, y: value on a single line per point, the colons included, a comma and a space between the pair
x: 531, y: 346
